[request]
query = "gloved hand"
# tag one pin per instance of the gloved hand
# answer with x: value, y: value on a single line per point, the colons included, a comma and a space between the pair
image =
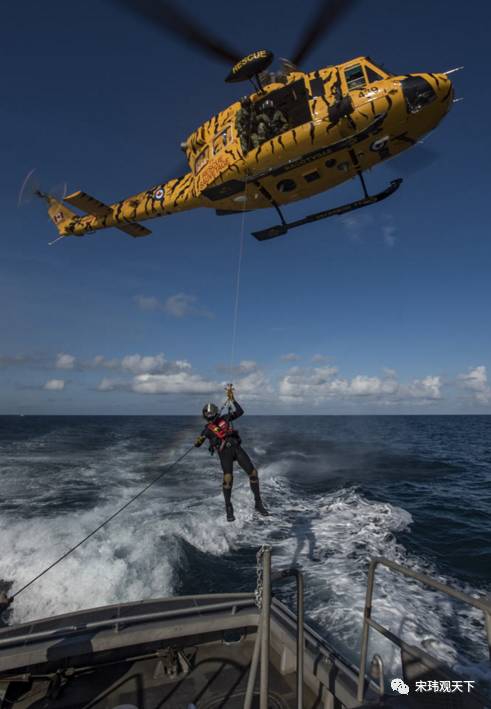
x: 199, y: 441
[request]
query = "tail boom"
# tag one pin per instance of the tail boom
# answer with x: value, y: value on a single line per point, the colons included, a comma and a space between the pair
x: 168, y: 198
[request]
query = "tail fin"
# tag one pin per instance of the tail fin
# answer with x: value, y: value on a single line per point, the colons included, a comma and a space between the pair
x: 97, y: 214
x: 59, y: 215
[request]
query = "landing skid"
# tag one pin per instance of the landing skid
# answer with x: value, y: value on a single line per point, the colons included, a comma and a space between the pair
x: 280, y: 229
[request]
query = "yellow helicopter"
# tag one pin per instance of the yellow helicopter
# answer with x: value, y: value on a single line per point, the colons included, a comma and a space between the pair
x: 296, y: 135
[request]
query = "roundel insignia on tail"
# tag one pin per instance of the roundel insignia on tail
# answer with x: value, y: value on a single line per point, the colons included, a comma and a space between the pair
x: 251, y: 65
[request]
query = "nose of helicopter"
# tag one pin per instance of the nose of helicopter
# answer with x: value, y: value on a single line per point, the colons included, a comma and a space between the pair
x: 425, y: 90
x: 444, y: 89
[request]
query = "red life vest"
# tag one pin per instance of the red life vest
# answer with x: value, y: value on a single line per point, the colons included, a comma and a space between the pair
x: 221, y: 429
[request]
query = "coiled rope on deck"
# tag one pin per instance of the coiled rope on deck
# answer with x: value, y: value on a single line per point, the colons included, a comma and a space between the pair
x: 109, y: 519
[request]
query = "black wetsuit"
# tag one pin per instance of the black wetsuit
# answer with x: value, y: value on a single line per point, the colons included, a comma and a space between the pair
x: 226, y: 441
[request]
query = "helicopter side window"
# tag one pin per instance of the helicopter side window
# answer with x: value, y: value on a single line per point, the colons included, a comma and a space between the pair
x: 222, y: 139
x: 355, y: 78
x: 201, y: 160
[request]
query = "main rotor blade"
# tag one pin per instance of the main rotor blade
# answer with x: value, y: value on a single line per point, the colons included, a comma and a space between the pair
x: 168, y: 16
x: 329, y: 12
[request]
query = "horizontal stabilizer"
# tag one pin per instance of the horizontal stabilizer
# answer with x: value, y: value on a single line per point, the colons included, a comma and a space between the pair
x: 93, y: 206
x: 88, y: 204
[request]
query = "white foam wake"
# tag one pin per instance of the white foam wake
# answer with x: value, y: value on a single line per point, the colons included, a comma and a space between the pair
x: 332, y: 536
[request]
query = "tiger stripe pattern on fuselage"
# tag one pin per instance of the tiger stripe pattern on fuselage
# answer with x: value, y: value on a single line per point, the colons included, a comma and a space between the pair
x: 350, y: 130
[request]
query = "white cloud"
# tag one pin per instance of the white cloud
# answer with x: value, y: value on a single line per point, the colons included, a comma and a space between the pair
x: 107, y: 384
x: 389, y: 233
x: 372, y: 386
x: 476, y: 381
x: 179, y: 305
x: 64, y: 361
x: 148, y: 302
x: 138, y: 364
x: 307, y: 383
x: 153, y: 374
x: 323, y: 383
x: 247, y: 365
x: 180, y: 379
x: 355, y: 224
x: 290, y: 357
x: 389, y: 230
x: 427, y: 388
x: 318, y: 382
x: 182, y: 382
x: 141, y: 364
x: 101, y: 361
x: 54, y: 385
x: 254, y: 384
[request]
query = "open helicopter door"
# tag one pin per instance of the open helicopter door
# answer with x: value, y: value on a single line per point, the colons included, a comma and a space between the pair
x: 292, y: 101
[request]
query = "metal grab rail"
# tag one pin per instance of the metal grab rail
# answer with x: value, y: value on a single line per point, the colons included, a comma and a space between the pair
x: 262, y: 642
x: 481, y: 603
x: 285, y: 573
x: 121, y: 621
x: 265, y: 629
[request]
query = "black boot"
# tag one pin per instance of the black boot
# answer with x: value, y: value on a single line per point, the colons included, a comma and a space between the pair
x: 258, y: 503
x: 229, y: 510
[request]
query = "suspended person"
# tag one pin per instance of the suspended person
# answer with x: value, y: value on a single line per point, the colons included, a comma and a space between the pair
x: 226, y: 441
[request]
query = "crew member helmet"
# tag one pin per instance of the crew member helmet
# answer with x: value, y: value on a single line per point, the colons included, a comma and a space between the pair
x: 210, y: 411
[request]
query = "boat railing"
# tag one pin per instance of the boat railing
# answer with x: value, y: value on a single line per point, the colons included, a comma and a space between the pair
x: 428, y: 660
x: 262, y: 644
x: 118, y: 622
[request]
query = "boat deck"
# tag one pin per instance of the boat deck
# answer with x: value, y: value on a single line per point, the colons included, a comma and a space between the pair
x: 217, y: 678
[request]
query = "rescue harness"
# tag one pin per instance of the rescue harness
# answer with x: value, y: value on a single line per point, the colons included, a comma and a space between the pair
x: 223, y: 431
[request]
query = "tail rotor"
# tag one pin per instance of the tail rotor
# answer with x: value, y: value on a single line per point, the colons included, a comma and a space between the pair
x: 30, y: 189
x: 58, y: 213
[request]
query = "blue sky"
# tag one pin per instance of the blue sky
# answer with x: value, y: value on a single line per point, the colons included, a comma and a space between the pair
x: 384, y: 311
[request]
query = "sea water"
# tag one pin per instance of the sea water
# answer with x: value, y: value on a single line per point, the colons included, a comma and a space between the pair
x: 341, y: 491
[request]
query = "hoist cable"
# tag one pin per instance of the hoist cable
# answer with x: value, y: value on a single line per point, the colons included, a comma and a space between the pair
x: 237, y: 292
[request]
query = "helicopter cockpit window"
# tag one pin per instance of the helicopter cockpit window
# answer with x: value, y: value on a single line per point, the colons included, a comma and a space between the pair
x: 222, y: 139
x: 355, y: 78
x: 201, y: 160
x: 372, y: 75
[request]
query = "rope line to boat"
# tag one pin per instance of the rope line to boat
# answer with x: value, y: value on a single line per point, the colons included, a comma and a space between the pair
x: 178, y: 460
x: 103, y: 524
